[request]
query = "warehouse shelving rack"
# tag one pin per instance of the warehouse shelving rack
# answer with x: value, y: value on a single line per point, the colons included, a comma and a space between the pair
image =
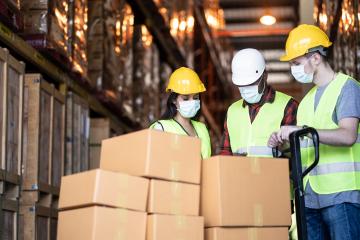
x: 146, y: 12
x: 17, y: 45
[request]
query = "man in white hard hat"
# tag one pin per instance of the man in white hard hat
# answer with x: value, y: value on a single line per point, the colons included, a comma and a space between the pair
x: 261, y: 111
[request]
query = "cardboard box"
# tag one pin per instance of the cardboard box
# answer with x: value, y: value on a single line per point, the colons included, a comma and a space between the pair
x: 165, y: 227
x: 98, y: 223
x: 154, y: 154
x: 99, y: 187
x: 173, y: 198
x: 241, y: 191
x: 279, y: 233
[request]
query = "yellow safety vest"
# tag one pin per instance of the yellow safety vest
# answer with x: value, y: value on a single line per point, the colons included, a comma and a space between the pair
x: 202, y: 132
x: 252, y: 138
x: 339, y: 167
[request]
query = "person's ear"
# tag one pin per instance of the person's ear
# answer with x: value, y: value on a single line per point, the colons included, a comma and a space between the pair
x: 316, y: 59
x: 262, y: 84
x: 265, y: 77
x: 175, y: 101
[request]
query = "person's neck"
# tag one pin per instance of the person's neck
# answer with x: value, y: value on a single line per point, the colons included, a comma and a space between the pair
x: 180, y: 119
x: 324, y: 75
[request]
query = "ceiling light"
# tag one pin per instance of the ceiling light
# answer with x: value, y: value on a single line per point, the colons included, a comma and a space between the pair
x: 268, y: 20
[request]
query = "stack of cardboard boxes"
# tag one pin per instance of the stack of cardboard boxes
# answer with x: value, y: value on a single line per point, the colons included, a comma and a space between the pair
x: 148, y: 187
x: 147, y: 171
x: 173, y: 165
x: 245, y: 198
x: 102, y: 204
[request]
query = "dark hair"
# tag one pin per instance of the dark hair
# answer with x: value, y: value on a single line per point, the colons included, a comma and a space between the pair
x: 325, y: 58
x: 171, y: 109
x: 322, y: 51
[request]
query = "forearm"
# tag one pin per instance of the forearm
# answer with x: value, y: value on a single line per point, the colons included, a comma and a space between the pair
x: 337, y: 137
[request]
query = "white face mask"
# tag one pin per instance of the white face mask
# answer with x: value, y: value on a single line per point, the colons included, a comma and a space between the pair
x: 189, y: 108
x: 300, y: 75
x: 251, y: 94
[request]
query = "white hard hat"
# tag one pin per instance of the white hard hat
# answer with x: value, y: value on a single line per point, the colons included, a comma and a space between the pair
x: 247, y: 66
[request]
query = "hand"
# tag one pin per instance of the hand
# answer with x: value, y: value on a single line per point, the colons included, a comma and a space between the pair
x: 274, y: 141
x: 243, y: 154
x: 285, y: 132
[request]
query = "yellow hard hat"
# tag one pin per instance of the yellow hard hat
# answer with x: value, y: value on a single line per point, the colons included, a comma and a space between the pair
x: 303, y: 38
x: 185, y: 81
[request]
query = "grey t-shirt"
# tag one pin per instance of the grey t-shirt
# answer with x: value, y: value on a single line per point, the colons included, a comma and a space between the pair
x: 348, y: 105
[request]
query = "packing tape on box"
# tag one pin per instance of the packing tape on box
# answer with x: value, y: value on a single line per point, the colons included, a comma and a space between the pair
x: 174, y: 169
x: 121, y: 234
x: 255, y: 166
x: 252, y: 234
x: 121, y: 229
x: 175, y: 189
x: 123, y: 216
x: 125, y: 181
x: 174, y: 143
x: 175, y: 204
x: 121, y: 180
x: 175, y: 207
x: 180, y: 222
x: 123, y: 200
x: 258, y: 215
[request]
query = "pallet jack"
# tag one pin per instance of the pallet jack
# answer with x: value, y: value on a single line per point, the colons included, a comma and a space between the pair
x: 297, y: 173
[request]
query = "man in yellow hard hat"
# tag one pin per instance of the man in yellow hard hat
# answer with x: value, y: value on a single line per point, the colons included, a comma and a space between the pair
x: 261, y: 111
x: 183, y: 108
x: 332, y: 189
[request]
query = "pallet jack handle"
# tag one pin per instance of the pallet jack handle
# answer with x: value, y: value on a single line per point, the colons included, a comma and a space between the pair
x: 297, y: 174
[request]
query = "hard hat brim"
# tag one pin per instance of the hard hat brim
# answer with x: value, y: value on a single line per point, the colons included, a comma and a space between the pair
x: 287, y: 58
x: 187, y: 91
x: 246, y: 80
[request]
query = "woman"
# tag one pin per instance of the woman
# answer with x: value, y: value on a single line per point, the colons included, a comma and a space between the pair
x: 182, y: 108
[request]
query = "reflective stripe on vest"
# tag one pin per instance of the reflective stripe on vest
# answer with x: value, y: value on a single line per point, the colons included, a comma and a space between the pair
x: 330, y: 168
x: 255, y: 151
x: 173, y: 127
x: 339, y: 167
x: 252, y: 138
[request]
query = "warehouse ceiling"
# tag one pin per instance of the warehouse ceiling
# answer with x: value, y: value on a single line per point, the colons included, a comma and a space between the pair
x: 243, y: 28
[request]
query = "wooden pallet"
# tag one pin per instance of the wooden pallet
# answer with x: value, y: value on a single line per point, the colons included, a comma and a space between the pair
x: 100, y: 129
x: 40, y: 198
x: 11, y: 113
x: 44, y: 135
x: 77, y: 134
x: 37, y: 222
x: 9, y: 213
x: 9, y: 185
